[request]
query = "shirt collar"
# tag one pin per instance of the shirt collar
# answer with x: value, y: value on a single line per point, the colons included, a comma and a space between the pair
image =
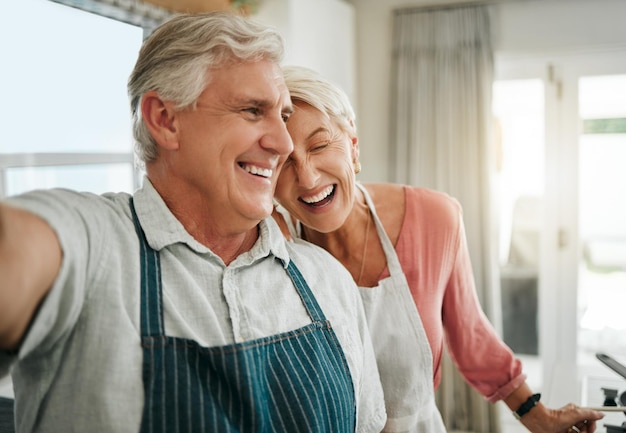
x: 162, y: 229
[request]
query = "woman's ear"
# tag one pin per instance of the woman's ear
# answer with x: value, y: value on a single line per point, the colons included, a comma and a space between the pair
x: 354, y: 140
x: 159, y: 117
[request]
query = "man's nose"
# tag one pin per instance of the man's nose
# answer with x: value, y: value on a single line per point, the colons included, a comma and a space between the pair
x: 277, y: 138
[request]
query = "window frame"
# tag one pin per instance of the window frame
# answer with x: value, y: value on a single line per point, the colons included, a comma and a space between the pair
x: 43, y: 159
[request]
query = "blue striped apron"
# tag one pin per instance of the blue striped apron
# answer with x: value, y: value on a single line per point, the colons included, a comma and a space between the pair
x: 297, y: 381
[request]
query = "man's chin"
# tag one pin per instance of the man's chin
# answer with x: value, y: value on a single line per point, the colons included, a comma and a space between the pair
x: 263, y: 210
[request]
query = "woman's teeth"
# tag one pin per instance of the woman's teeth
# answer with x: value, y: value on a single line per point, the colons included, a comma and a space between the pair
x: 319, y: 197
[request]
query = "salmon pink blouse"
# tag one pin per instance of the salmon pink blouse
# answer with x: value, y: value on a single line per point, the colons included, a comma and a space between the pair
x: 433, y: 253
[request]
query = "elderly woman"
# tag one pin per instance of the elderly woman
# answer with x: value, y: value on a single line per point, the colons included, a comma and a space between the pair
x: 406, y: 249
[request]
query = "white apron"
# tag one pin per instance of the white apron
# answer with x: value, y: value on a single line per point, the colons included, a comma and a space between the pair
x: 403, y: 354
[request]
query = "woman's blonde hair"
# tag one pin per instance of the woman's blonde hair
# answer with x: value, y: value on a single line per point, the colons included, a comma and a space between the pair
x: 309, y: 86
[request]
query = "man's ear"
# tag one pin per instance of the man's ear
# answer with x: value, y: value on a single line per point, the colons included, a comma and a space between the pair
x: 159, y: 117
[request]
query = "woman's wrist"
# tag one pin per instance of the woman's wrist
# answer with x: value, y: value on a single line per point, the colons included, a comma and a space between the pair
x: 527, y: 406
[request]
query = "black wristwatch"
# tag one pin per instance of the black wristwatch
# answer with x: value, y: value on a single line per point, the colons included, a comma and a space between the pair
x: 527, y: 406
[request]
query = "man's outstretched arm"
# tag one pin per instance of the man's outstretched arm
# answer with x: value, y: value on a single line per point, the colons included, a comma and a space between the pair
x: 30, y: 259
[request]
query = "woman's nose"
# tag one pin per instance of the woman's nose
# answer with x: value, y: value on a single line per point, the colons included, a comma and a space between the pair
x: 307, y: 174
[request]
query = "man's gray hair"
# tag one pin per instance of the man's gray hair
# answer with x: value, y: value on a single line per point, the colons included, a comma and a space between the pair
x: 309, y: 86
x: 175, y: 61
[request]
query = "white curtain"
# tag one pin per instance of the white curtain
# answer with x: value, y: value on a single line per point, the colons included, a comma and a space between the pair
x: 442, y: 75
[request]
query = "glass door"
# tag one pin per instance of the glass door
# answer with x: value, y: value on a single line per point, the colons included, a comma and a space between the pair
x: 598, y: 113
x: 602, y: 216
x: 592, y: 162
x: 562, y: 124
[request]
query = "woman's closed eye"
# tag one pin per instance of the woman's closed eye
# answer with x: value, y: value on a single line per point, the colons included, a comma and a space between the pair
x: 319, y: 146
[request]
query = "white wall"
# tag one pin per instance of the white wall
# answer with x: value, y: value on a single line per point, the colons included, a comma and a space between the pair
x: 520, y: 27
x: 319, y: 34
x: 552, y: 26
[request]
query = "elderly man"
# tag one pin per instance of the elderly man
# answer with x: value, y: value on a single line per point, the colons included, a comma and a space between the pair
x: 181, y: 307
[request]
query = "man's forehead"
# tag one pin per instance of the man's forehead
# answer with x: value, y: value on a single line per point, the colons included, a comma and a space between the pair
x: 261, y: 96
x: 249, y: 81
x: 258, y: 96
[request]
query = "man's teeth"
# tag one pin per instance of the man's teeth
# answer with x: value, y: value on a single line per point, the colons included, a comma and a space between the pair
x: 252, y: 169
x: 318, y: 197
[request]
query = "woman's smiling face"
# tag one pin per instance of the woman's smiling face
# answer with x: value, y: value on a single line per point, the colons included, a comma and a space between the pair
x: 316, y: 184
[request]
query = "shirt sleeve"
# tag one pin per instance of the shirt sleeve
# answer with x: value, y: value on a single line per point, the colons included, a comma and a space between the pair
x: 433, y: 252
x: 481, y: 356
x: 65, y: 212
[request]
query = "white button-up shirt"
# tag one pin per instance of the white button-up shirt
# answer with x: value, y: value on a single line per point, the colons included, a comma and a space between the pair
x: 79, y: 368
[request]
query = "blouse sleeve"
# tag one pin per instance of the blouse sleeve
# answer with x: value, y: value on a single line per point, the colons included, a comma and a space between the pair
x: 482, y: 358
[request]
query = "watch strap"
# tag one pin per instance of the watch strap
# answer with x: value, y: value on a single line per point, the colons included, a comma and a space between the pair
x: 527, y: 406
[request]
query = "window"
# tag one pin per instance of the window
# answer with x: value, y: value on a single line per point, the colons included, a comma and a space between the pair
x: 65, y: 111
x: 602, y: 215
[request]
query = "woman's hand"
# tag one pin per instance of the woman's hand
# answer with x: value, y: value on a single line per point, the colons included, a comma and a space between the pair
x: 568, y: 419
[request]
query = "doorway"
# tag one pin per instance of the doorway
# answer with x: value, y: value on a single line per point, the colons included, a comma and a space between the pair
x: 562, y: 124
